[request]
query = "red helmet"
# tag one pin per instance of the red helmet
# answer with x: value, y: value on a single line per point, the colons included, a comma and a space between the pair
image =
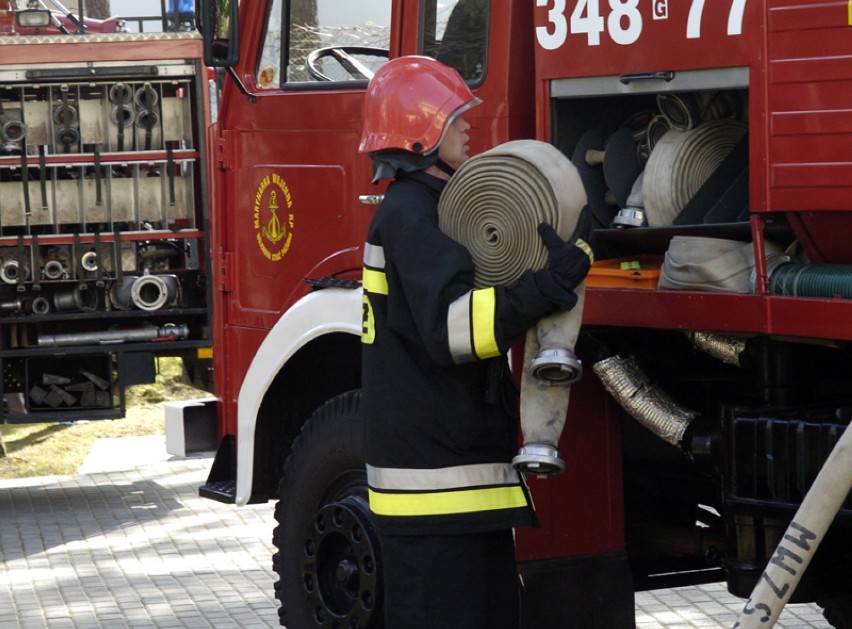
x: 409, y: 104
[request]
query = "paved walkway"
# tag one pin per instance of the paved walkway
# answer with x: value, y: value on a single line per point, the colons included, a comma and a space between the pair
x: 128, y: 543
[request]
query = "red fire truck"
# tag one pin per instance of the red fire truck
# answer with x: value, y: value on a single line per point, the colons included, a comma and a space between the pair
x: 103, y: 190
x: 758, y: 370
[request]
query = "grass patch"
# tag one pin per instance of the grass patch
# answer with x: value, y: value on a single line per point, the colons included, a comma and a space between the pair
x: 48, y: 449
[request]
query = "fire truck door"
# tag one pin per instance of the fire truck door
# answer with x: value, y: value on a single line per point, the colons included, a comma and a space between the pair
x: 296, y: 173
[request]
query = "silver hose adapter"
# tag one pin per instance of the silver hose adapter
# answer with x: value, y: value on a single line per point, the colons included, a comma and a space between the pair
x: 652, y: 407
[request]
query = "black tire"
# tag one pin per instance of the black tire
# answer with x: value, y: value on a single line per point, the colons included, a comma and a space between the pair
x: 328, y: 552
x: 838, y: 611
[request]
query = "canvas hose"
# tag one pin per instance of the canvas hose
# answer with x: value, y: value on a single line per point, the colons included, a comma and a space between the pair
x: 496, y: 200
x: 493, y: 206
x: 680, y: 164
x: 801, y: 540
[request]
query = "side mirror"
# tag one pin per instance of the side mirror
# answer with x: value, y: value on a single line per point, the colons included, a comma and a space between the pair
x: 221, y: 33
x: 32, y: 18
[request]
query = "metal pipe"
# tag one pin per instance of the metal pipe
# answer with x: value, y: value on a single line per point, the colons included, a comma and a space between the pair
x: 11, y: 305
x: 108, y: 337
x: 76, y: 300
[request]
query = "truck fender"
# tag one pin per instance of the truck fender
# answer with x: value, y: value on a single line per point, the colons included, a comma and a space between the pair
x: 321, y: 312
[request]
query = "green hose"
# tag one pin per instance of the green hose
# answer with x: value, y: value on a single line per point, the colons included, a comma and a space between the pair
x: 812, y: 280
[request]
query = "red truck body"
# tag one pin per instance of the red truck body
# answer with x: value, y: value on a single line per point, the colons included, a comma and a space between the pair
x: 291, y: 201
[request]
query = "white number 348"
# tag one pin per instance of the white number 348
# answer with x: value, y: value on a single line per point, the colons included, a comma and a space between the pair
x: 623, y: 24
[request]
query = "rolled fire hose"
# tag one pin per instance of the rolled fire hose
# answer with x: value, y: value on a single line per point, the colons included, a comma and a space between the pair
x: 801, y: 540
x: 493, y: 206
x: 681, y: 162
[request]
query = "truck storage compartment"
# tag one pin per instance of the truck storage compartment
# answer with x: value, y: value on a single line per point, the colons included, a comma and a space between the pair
x: 63, y: 383
x: 664, y: 158
x: 102, y: 228
x: 658, y: 151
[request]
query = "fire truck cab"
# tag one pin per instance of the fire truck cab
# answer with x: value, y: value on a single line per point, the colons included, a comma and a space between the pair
x: 734, y: 116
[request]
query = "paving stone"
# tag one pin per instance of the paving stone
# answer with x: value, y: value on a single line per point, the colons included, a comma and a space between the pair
x: 137, y: 548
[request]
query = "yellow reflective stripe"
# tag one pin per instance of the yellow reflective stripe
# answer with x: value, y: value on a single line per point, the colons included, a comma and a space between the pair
x: 447, y: 502
x: 368, y: 321
x: 483, y: 311
x: 375, y: 282
x: 582, y: 244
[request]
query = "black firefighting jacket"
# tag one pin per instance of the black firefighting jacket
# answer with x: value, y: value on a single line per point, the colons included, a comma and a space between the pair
x: 441, y: 429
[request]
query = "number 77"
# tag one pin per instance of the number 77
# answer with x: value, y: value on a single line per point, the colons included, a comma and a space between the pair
x: 735, y: 18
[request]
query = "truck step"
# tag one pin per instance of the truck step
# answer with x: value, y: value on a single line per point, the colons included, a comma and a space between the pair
x: 220, y: 491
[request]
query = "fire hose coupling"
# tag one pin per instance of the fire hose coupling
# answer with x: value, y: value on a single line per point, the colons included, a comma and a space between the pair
x: 123, y: 115
x: 146, y: 97
x: 541, y: 459
x: 11, y: 271
x: 147, y: 119
x: 41, y: 305
x: 557, y: 365
x: 120, y: 94
x: 115, y: 336
x: 12, y: 130
x: 53, y: 270
x: 629, y: 217
x: 65, y: 115
x: 89, y: 261
x: 146, y: 292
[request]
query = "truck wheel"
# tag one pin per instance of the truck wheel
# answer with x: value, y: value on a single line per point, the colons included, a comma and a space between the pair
x: 838, y: 611
x: 328, y: 552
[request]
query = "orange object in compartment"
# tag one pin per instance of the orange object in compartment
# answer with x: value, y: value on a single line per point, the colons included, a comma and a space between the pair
x: 609, y: 274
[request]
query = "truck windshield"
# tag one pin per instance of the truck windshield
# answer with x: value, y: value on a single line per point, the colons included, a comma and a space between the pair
x: 329, y: 40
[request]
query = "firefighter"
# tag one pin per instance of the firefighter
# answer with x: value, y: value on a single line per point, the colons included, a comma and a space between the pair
x: 439, y: 403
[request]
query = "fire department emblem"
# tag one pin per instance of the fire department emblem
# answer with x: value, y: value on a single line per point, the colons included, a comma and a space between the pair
x: 273, y: 220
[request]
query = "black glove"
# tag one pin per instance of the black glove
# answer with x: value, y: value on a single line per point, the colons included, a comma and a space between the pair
x: 568, y: 261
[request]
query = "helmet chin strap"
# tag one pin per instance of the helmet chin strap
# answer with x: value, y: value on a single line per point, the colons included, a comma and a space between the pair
x: 444, y: 166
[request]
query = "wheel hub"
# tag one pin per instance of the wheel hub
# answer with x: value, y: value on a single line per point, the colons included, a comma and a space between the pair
x: 339, y: 570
